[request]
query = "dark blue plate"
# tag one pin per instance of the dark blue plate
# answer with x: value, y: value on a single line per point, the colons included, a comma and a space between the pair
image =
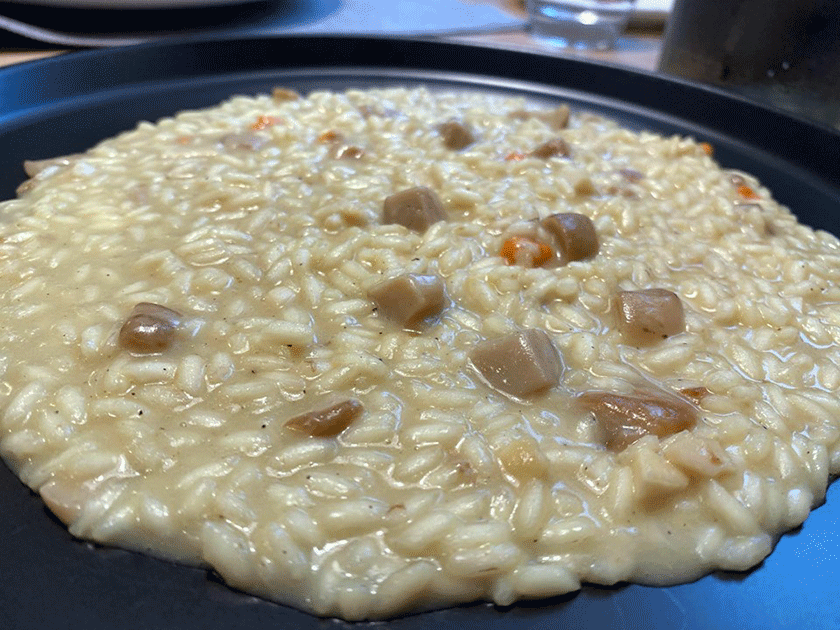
x: 67, y: 104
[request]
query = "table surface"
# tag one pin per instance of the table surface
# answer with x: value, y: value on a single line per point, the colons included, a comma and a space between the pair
x: 639, y: 48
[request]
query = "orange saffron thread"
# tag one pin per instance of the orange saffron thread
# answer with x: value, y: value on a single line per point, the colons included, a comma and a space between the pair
x: 747, y: 193
x: 264, y: 121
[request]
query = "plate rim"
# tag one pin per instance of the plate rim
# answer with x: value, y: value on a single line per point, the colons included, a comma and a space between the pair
x: 130, y: 80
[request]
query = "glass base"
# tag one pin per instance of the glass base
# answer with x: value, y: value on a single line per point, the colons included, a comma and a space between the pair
x: 568, y: 25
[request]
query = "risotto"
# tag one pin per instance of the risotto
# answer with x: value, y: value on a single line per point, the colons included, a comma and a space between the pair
x: 384, y: 351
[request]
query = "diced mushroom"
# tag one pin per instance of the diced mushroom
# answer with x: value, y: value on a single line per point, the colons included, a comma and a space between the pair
x: 350, y: 152
x: 695, y: 394
x: 34, y: 167
x: 284, y: 94
x: 456, y: 135
x: 409, y: 298
x: 328, y: 421
x: 624, y: 191
x: 25, y: 187
x: 557, y: 118
x: 575, y: 235
x: 631, y: 174
x: 150, y: 328
x: 330, y: 136
x: 584, y: 187
x: 556, y: 146
x: 416, y: 208
x: 650, y: 315
x: 63, y: 498
x: 522, y: 458
x: 625, y: 419
x: 520, y: 364
x: 244, y: 141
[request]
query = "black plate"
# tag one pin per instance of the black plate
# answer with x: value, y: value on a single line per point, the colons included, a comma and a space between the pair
x: 63, y: 105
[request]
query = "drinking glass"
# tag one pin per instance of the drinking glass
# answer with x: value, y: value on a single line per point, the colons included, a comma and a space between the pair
x: 584, y: 24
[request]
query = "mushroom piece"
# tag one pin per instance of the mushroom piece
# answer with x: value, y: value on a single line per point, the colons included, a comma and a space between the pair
x: 575, y: 235
x: 415, y: 208
x: 150, y: 328
x: 330, y: 136
x: 350, y: 152
x: 456, y: 135
x: 650, y: 315
x: 631, y: 174
x: 557, y: 118
x: 624, y: 419
x: 34, y: 167
x: 409, y: 298
x: 64, y: 498
x: 522, y: 458
x: 284, y: 94
x: 519, y: 364
x: 328, y: 421
x: 556, y: 146
x: 695, y: 394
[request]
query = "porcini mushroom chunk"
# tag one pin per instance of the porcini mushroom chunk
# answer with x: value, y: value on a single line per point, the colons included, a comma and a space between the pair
x: 284, y: 94
x: 150, y: 328
x: 558, y: 118
x: 63, y: 498
x: 329, y: 421
x: 631, y: 174
x: 625, y: 419
x: 650, y: 315
x: 416, y: 208
x: 523, y: 458
x: 555, y: 118
x: 519, y: 364
x: 456, y: 135
x: 350, y: 152
x: 34, y: 167
x: 575, y: 235
x: 409, y: 298
x: 556, y: 146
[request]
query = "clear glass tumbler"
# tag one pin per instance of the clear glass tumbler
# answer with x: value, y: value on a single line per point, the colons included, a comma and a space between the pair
x: 584, y: 24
